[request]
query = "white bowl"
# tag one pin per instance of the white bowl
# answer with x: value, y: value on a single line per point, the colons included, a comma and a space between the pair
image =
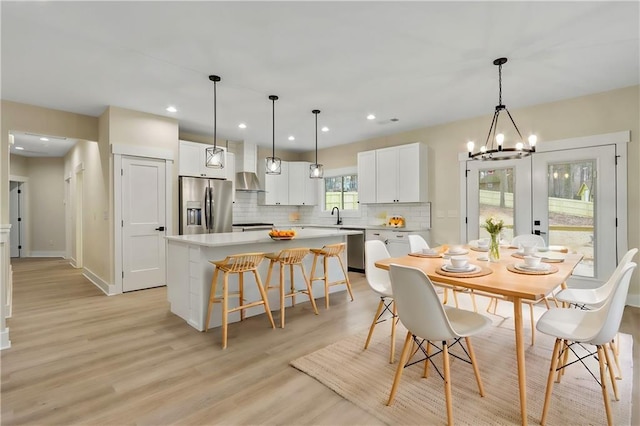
x: 543, y: 249
x: 459, y: 261
x: 429, y: 251
x: 483, y: 243
x: 528, y: 249
x: 456, y: 249
x: 532, y: 261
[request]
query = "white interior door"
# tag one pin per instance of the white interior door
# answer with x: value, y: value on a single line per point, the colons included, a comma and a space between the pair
x: 574, y: 205
x: 143, y: 223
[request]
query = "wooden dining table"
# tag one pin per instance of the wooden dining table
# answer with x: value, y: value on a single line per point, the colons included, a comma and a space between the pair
x: 503, y: 283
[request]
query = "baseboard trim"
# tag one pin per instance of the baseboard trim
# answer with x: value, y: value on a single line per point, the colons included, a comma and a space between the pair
x: 5, y: 343
x: 105, y: 287
x: 633, y: 300
x: 47, y: 254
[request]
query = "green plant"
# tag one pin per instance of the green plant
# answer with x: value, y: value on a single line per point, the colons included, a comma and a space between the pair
x: 493, y: 226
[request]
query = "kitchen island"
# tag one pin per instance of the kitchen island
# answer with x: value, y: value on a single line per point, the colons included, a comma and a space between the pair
x: 189, y: 271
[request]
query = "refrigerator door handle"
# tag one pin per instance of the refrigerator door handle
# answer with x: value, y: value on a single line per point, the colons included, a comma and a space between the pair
x: 209, y: 210
x: 205, y: 209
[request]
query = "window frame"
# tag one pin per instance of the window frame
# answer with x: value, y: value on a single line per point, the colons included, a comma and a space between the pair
x: 331, y: 173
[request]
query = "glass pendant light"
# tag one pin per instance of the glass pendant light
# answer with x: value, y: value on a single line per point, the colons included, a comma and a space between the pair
x: 214, y: 155
x: 315, y: 170
x: 273, y: 162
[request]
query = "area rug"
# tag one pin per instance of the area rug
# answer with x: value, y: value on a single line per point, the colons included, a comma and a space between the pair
x: 365, y: 378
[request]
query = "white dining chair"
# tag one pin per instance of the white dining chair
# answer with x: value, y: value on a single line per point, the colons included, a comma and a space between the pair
x: 527, y: 239
x: 591, y: 298
x: 379, y: 281
x: 416, y: 244
x: 428, y: 322
x: 579, y: 327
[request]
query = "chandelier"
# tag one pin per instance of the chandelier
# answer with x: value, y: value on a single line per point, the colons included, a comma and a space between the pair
x: 496, y: 150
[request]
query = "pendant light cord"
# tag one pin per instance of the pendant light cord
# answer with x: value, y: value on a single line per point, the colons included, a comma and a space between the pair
x: 316, y: 112
x: 215, y: 115
x: 273, y: 126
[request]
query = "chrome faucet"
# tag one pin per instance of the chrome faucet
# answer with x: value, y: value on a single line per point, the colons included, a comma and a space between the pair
x: 339, y: 221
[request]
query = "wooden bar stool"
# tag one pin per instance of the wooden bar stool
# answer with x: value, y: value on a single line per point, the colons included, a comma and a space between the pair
x: 236, y: 264
x: 326, y: 252
x: 290, y: 257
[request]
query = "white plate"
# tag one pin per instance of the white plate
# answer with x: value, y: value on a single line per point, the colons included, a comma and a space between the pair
x: 521, y: 253
x: 551, y: 255
x: 478, y: 248
x: 456, y: 253
x: 524, y: 267
x: 450, y: 268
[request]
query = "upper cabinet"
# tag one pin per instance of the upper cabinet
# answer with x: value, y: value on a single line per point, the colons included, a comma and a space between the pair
x: 276, y: 186
x: 367, y: 177
x: 303, y: 191
x: 396, y: 174
x: 292, y: 187
x: 192, y: 161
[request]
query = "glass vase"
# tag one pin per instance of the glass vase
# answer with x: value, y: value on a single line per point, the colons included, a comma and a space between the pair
x: 494, y: 248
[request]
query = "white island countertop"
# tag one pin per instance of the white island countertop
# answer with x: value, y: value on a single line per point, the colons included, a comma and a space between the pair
x: 250, y: 237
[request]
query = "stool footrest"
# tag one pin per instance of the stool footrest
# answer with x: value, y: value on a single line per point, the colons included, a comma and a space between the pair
x: 248, y: 305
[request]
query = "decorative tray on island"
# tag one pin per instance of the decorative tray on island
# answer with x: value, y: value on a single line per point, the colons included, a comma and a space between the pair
x: 282, y: 235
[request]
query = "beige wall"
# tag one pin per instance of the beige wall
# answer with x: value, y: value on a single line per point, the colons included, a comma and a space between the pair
x: 607, y: 112
x: 46, y: 201
x: 18, y: 165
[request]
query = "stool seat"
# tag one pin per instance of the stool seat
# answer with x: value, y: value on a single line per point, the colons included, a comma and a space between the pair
x: 289, y: 257
x: 327, y: 252
x: 236, y: 264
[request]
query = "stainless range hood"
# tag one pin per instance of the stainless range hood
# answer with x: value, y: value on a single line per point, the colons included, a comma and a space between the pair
x: 246, y: 161
x: 247, y: 181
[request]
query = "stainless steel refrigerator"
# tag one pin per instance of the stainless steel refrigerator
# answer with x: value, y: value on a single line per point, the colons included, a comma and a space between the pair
x: 206, y: 205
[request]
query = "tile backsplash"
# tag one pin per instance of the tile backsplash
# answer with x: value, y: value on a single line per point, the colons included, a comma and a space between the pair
x: 246, y: 210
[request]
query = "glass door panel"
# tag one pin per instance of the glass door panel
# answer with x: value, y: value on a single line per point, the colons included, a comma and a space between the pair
x: 574, y: 206
x: 496, y: 188
x: 501, y: 190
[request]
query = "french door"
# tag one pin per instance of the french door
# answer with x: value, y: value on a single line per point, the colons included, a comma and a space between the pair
x: 566, y: 196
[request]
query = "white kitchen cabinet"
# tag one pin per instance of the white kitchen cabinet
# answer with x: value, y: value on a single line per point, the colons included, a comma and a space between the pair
x: 276, y: 186
x: 397, y: 242
x: 367, y: 177
x: 400, y: 174
x: 303, y: 191
x: 192, y: 159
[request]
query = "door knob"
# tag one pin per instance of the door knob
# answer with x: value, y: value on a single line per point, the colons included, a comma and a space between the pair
x: 161, y: 228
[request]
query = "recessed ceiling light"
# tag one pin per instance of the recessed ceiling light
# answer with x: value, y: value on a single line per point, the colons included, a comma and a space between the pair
x: 242, y: 126
x: 19, y: 148
x: 43, y: 139
x: 371, y: 117
x: 292, y: 138
x: 325, y: 129
x: 172, y: 109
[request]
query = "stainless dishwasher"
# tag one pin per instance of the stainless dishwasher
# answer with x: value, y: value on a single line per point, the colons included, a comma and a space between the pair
x: 355, y: 250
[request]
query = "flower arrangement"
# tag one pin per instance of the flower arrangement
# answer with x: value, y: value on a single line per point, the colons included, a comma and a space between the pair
x: 494, y: 227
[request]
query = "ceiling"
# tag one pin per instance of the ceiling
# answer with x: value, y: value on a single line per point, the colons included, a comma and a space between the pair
x: 422, y: 63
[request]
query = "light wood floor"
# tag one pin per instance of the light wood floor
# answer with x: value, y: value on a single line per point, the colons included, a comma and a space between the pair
x: 80, y: 357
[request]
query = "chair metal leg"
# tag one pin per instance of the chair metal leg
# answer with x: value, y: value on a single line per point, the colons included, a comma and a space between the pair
x: 401, y: 363
x: 552, y: 371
